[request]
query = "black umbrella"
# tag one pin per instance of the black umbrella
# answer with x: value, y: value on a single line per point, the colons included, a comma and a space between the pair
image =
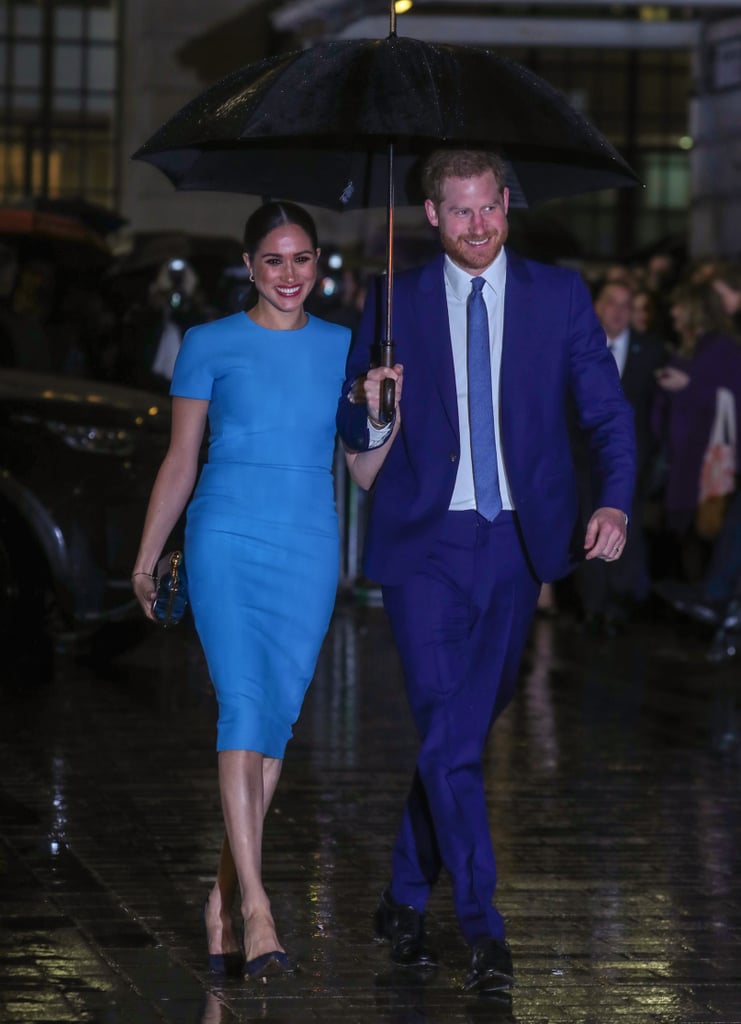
x: 315, y: 126
x: 343, y: 125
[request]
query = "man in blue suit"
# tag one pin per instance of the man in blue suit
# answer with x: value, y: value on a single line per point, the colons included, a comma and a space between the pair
x: 475, y: 505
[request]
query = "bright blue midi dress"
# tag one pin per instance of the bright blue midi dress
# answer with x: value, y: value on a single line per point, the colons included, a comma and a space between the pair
x: 261, y: 537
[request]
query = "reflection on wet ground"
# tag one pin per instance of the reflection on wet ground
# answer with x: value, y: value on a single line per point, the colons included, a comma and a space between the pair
x: 614, y: 800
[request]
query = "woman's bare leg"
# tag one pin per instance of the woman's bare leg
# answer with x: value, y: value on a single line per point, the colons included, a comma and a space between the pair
x: 219, y: 925
x: 247, y: 781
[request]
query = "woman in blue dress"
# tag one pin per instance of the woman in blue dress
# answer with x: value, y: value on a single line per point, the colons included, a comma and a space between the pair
x: 261, y: 542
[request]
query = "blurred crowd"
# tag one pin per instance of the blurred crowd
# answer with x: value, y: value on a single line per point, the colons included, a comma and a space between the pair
x: 675, y: 333
x: 674, y: 329
x: 124, y: 325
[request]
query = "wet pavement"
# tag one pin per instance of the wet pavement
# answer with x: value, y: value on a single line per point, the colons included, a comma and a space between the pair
x: 614, y: 801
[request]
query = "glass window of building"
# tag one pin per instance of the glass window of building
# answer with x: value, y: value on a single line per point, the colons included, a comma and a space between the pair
x: 639, y: 99
x: 59, y: 97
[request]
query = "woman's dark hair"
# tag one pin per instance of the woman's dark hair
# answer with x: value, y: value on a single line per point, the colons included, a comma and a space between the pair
x: 273, y: 215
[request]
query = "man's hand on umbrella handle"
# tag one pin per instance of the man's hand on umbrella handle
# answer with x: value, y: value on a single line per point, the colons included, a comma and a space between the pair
x: 372, y: 389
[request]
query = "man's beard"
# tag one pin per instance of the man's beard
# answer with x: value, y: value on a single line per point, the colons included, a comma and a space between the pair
x: 469, y: 258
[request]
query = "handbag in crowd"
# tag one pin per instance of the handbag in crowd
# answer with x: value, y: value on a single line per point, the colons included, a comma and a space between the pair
x: 718, y: 471
x: 171, y: 584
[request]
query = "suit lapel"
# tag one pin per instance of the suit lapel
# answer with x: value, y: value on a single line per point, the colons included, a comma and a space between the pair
x: 517, y: 356
x: 433, y: 328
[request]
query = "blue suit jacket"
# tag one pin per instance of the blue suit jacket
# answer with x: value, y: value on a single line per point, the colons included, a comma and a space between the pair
x: 553, y: 353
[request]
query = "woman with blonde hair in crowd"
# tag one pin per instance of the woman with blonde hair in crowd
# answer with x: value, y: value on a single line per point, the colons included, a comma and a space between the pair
x: 707, y: 359
x: 727, y: 283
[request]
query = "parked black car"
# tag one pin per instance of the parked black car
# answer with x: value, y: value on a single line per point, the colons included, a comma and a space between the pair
x: 77, y: 462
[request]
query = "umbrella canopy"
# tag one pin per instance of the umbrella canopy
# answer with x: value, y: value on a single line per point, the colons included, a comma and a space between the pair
x: 315, y: 126
x: 344, y: 124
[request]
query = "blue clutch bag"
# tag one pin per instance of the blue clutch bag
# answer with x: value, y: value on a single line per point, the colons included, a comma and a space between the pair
x: 172, y: 589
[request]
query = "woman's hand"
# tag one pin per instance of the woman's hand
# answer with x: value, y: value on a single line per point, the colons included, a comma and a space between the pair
x: 671, y: 378
x: 142, y: 584
x: 170, y: 493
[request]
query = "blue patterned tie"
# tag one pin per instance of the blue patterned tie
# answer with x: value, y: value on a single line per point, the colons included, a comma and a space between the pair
x: 480, y: 408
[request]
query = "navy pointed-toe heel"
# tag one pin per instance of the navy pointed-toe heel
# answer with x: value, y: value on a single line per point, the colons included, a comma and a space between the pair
x: 269, y: 964
x: 226, y: 963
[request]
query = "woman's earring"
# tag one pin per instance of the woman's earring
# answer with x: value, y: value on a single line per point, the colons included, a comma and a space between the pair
x: 252, y: 277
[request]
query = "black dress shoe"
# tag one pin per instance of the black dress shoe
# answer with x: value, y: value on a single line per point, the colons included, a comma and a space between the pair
x: 405, y: 928
x: 491, y: 968
x: 690, y: 599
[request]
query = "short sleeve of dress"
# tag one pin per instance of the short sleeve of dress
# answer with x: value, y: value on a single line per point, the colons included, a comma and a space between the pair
x: 193, y: 375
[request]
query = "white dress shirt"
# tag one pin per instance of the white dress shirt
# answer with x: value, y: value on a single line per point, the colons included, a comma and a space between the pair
x: 619, y: 348
x: 457, y: 292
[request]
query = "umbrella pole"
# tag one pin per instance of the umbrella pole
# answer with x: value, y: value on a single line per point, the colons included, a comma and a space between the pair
x: 388, y: 392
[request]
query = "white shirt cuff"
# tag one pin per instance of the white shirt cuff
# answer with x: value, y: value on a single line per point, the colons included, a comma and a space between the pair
x: 377, y: 435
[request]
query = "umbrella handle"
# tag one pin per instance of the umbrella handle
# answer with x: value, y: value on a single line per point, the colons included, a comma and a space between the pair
x: 388, y: 391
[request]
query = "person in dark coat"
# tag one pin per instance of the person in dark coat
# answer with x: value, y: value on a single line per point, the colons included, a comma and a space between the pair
x: 610, y: 591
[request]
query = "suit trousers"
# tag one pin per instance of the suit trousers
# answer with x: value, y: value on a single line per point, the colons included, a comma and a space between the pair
x: 460, y: 624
